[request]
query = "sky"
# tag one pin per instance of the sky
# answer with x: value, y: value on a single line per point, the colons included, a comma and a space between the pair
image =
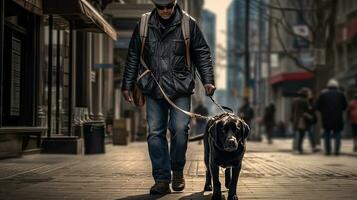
x: 219, y: 7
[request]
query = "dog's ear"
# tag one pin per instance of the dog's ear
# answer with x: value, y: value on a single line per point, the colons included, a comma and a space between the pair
x: 216, y: 128
x: 246, y: 130
x: 243, y: 128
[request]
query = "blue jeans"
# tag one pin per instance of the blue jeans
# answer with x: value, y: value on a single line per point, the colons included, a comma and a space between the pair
x: 162, y: 116
x: 327, y: 137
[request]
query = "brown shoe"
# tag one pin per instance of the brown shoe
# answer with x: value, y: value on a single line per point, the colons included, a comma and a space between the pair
x: 160, y: 188
x: 178, y: 181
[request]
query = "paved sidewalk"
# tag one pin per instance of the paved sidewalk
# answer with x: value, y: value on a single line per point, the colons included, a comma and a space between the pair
x: 285, y: 145
x: 269, y: 172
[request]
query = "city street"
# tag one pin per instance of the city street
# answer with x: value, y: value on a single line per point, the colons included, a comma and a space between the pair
x: 124, y: 172
x: 78, y: 74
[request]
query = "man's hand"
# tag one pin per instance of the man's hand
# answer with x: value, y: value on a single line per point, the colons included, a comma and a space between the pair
x: 128, y: 96
x: 209, y: 89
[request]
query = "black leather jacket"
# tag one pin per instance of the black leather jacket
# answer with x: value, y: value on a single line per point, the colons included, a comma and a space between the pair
x: 165, y: 54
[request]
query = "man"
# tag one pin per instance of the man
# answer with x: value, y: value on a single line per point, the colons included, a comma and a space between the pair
x: 269, y: 121
x: 246, y: 112
x: 165, y: 55
x: 331, y: 103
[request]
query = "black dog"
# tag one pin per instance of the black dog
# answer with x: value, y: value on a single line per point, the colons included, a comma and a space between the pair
x: 224, y: 146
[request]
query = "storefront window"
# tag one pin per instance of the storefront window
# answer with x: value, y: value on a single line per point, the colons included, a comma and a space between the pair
x: 19, y: 67
x: 59, y: 113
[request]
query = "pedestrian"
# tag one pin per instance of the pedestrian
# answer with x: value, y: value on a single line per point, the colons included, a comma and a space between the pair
x: 312, y: 121
x: 165, y: 54
x: 331, y: 103
x: 269, y: 121
x: 246, y: 112
x: 301, y: 118
x: 352, y: 115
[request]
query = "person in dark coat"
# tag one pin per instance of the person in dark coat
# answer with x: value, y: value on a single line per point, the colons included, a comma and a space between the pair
x: 301, y: 117
x: 269, y: 121
x: 165, y: 55
x: 331, y: 103
x: 311, y: 121
x: 246, y: 112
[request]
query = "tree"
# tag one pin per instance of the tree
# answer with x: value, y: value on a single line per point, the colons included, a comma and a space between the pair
x: 318, y: 17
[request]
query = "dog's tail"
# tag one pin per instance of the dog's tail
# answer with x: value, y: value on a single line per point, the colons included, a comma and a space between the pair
x: 196, y: 137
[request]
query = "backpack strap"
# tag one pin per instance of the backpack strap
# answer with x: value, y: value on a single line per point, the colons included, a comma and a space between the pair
x: 144, y: 25
x: 185, y: 26
x: 143, y: 35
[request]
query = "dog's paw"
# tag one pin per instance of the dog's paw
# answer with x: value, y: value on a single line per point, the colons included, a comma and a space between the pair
x: 233, y: 197
x: 208, y: 188
x: 218, y: 197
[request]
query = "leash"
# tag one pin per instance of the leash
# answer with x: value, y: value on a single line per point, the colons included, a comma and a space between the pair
x: 191, y: 114
x: 218, y: 105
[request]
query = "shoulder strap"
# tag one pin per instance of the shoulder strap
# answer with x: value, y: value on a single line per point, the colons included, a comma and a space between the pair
x: 185, y: 23
x: 144, y: 25
x: 143, y: 35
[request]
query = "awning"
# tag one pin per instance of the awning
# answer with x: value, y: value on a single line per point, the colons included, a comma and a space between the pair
x: 293, y: 76
x: 34, y: 6
x: 291, y: 82
x: 82, y: 15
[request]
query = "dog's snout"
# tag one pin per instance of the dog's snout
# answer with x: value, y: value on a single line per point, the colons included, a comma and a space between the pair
x: 232, y: 141
x: 231, y: 144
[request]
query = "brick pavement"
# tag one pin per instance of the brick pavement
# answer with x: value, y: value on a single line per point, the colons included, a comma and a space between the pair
x: 269, y: 172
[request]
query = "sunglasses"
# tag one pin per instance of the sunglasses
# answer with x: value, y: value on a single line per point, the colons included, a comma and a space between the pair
x: 169, y: 6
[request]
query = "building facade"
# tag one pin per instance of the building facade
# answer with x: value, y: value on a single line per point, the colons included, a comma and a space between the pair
x: 346, y: 46
x: 345, y: 69
x: 19, y: 67
x: 286, y: 77
x: 235, y: 53
x: 46, y: 78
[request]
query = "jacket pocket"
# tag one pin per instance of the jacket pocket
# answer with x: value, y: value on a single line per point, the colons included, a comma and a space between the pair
x: 150, y: 47
x: 179, y: 47
x: 183, y: 82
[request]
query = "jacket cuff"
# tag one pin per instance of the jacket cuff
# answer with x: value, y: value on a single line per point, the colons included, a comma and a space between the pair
x: 127, y: 87
x: 208, y: 81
